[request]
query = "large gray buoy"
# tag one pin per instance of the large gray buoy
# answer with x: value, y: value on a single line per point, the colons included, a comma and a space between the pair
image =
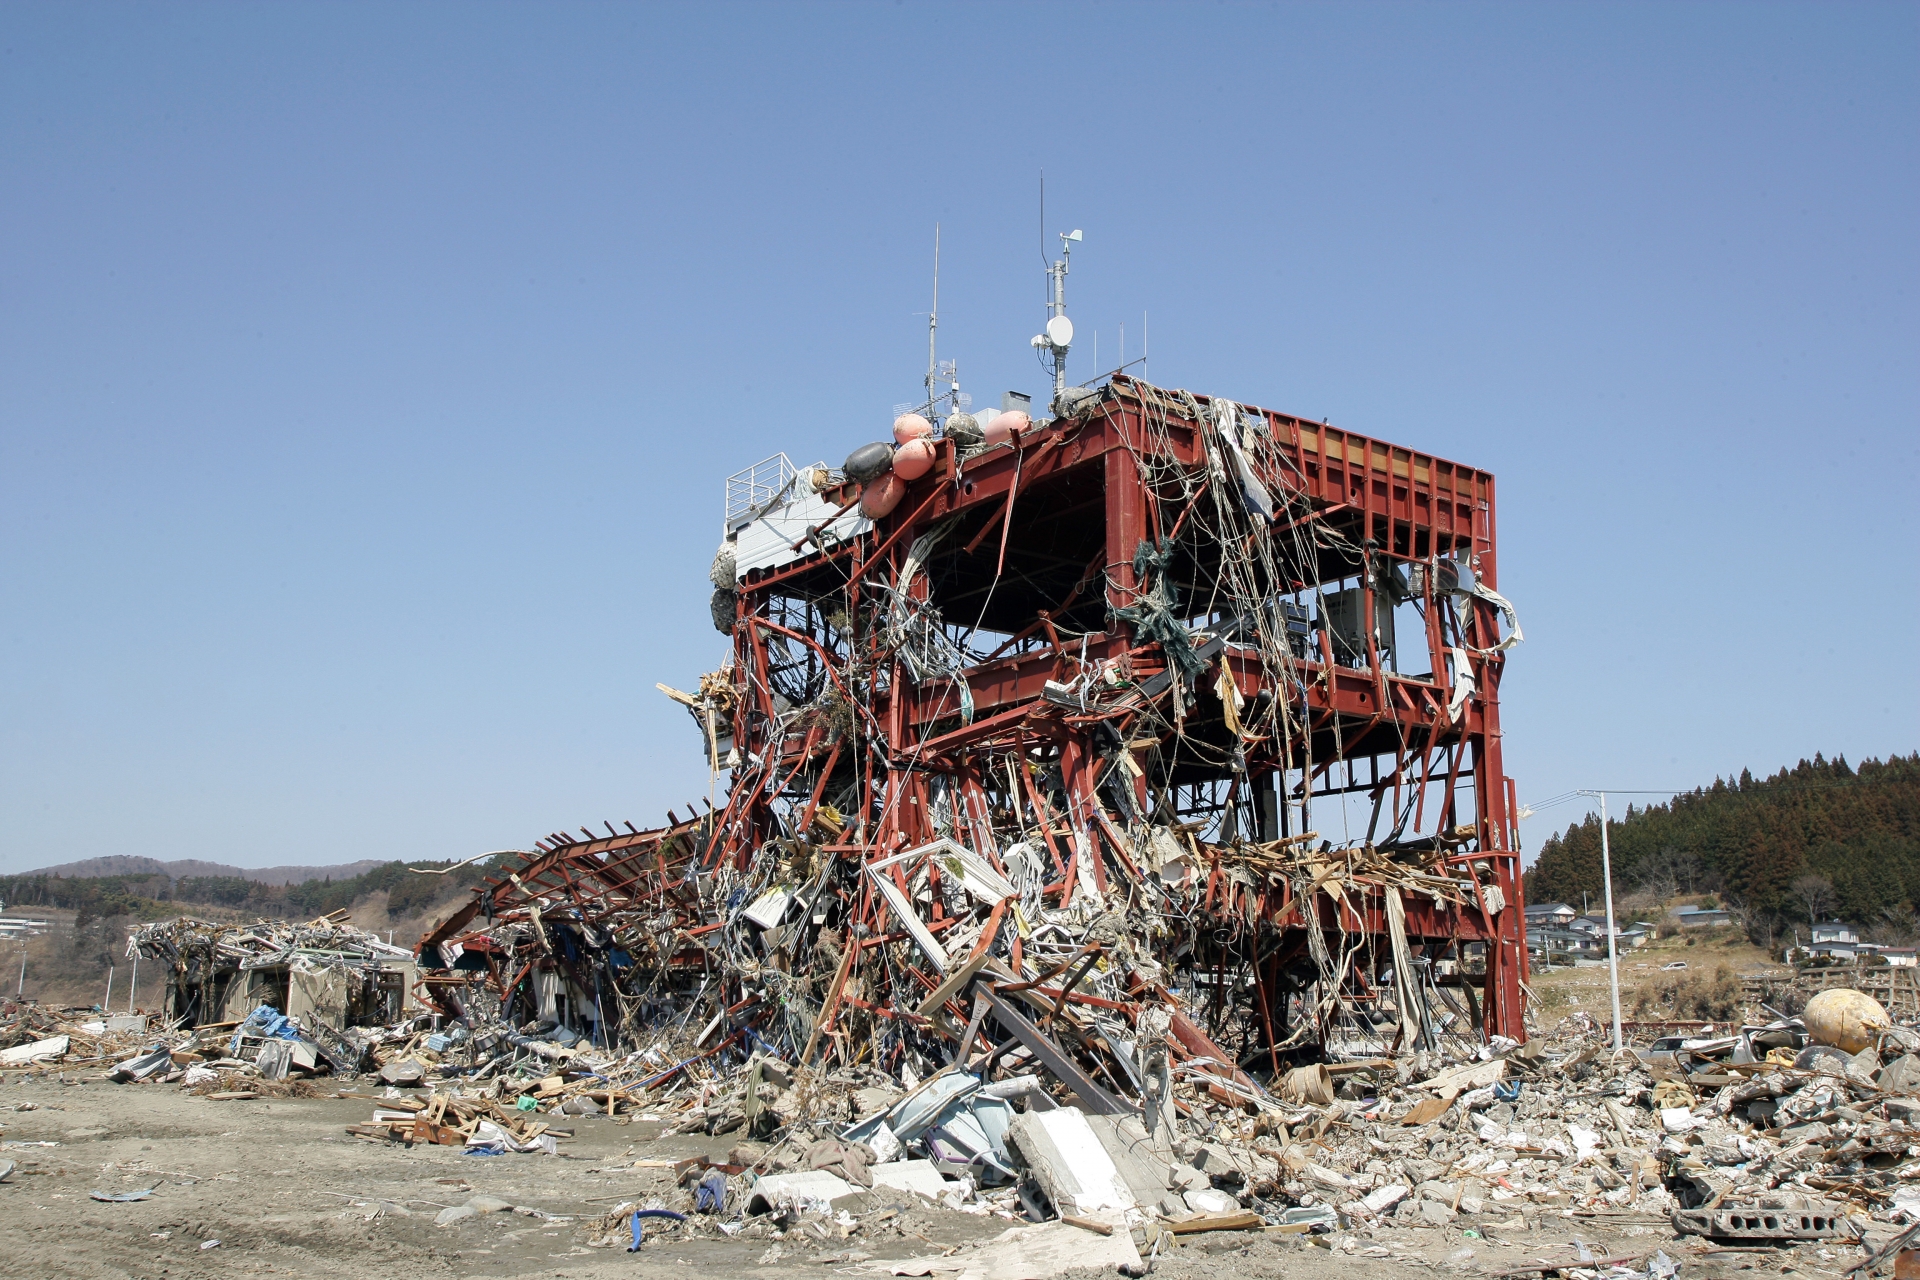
x: 869, y: 461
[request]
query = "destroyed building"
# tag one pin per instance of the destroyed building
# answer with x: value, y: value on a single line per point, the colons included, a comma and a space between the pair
x: 322, y: 971
x: 1032, y: 729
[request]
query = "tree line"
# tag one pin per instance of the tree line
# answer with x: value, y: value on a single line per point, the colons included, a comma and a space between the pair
x: 1819, y: 840
x: 153, y: 897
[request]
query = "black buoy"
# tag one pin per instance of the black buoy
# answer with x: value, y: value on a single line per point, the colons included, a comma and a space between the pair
x: 869, y: 461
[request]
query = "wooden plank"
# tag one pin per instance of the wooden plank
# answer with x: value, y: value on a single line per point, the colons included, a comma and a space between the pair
x: 440, y: 1135
x: 1244, y: 1220
x: 973, y: 1030
x: 831, y: 1005
x: 955, y: 982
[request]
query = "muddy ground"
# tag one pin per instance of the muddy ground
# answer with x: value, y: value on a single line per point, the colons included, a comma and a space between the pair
x: 286, y: 1191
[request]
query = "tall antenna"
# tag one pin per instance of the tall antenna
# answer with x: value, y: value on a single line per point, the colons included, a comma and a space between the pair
x: 1058, y: 335
x: 933, y: 319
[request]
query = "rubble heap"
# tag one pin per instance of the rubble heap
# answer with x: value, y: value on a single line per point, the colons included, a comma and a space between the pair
x: 1764, y: 1133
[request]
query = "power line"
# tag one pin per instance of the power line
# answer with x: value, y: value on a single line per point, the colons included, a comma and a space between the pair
x: 1758, y: 786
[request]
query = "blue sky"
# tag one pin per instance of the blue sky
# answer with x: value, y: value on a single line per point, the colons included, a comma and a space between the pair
x: 368, y: 374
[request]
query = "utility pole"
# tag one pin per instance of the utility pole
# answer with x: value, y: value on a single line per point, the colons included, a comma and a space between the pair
x: 1606, y: 873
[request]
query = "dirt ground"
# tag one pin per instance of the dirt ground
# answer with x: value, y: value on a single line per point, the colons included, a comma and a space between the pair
x: 1583, y: 988
x: 286, y: 1191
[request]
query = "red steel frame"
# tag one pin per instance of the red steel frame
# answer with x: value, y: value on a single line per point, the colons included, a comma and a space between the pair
x: 1411, y: 504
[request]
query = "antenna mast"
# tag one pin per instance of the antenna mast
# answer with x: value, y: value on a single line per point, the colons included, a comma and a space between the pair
x: 933, y: 319
x: 1059, y: 332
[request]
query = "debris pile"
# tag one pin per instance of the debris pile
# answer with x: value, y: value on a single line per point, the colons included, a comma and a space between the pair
x: 267, y: 1000
x: 482, y: 1126
x: 1790, y: 1129
x: 1764, y: 1134
x: 32, y: 1035
x: 1760, y: 1135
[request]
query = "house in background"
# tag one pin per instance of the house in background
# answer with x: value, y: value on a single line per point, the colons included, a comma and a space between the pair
x: 1837, y: 942
x: 1701, y: 917
x: 1550, y: 915
x: 21, y: 927
x: 1564, y: 946
x: 1625, y: 937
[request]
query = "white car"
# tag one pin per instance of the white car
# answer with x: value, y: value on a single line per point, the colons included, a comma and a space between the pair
x: 1666, y: 1049
x: 1669, y: 968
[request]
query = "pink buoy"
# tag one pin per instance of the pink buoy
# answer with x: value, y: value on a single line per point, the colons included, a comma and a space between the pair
x: 881, y: 496
x: 911, y: 426
x: 1007, y: 425
x: 913, y: 459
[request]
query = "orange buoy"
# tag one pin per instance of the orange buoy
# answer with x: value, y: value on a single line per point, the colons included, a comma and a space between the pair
x: 1007, y: 425
x: 914, y: 458
x: 881, y: 496
x: 911, y: 426
x: 1848, y: 1020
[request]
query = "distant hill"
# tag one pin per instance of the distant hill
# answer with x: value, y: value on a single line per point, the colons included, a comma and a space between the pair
x: 126, y: 865
x: 147, y: 889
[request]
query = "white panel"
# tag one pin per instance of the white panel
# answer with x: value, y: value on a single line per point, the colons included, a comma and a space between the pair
x: 769, y: 540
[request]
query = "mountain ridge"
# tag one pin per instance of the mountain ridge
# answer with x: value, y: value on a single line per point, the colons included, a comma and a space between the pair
x: 119, y: 864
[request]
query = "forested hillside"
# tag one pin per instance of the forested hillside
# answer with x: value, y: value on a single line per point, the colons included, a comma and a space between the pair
x: 1820, y: 839
x: 150, y: 897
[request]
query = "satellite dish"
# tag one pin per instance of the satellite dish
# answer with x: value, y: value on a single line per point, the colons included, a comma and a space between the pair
x: 1060, y: 331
